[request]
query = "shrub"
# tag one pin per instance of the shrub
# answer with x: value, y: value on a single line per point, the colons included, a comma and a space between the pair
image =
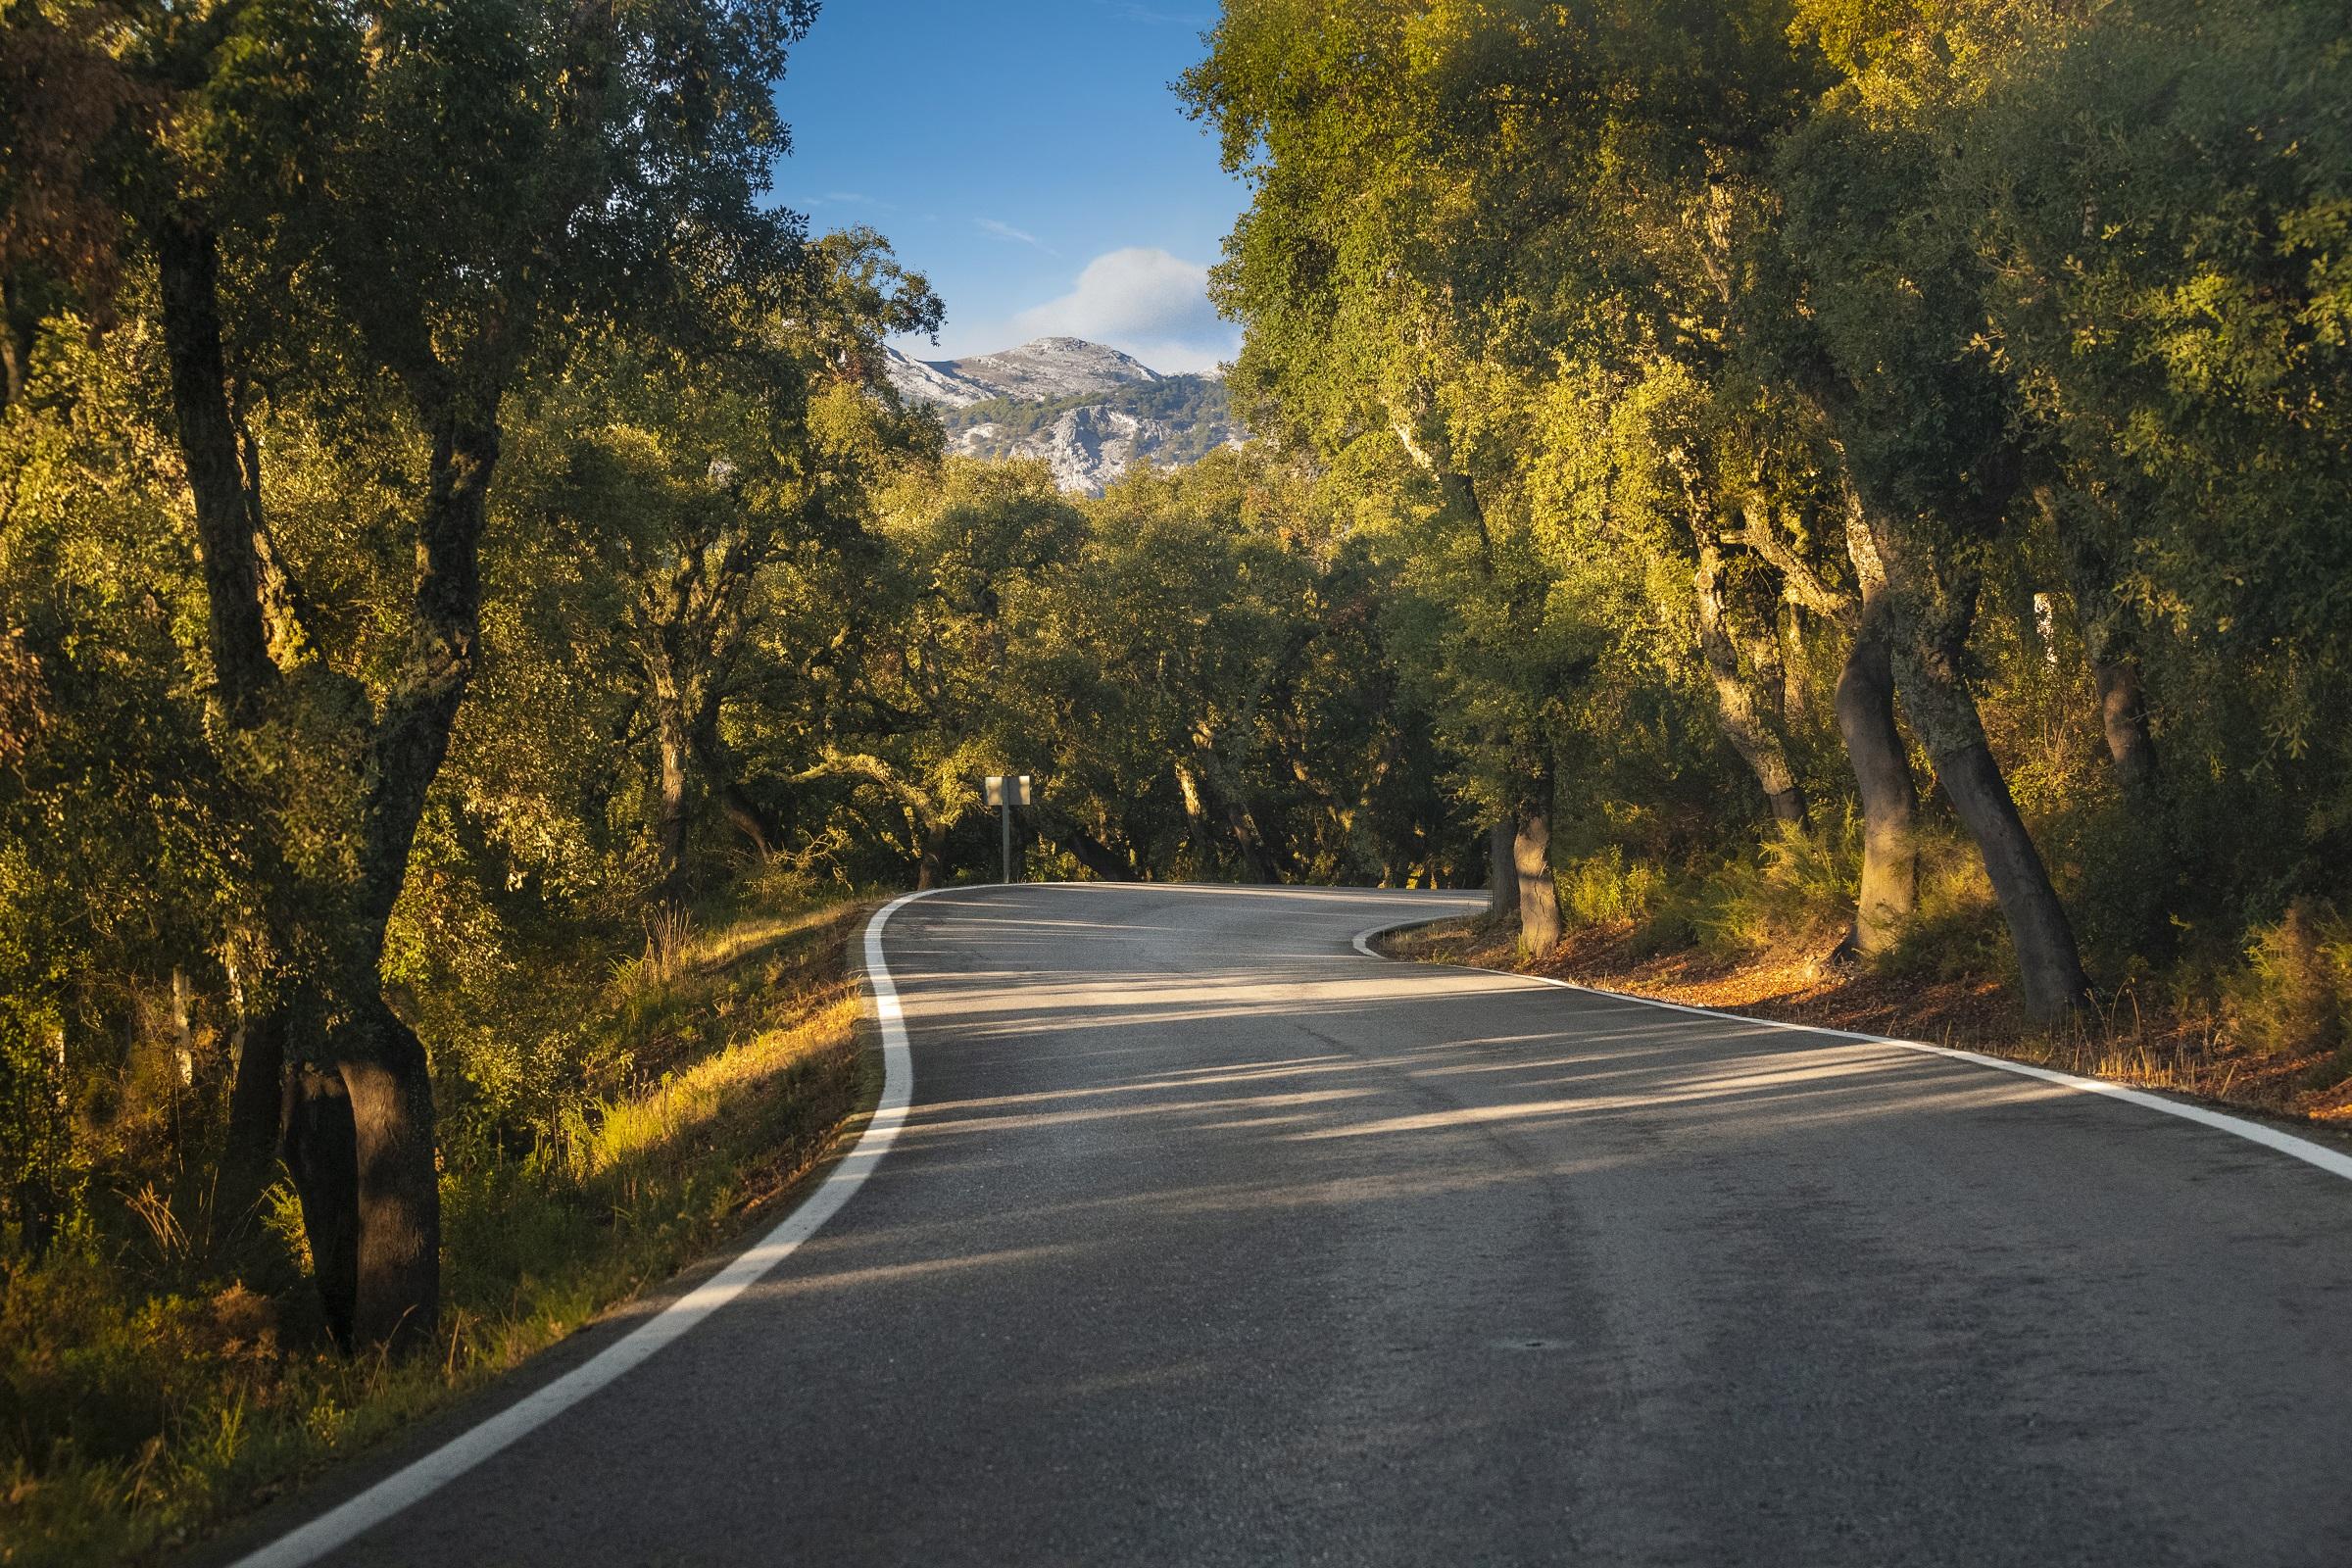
x: 2294, y: 994
x: 1605, y: 890
x: 1956, y: 931
x: 1796, y: 891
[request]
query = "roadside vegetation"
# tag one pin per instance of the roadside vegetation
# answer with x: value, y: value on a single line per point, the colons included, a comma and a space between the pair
x: 1835, y: 502
x: 1873, y: 477
x: 154, y: 1388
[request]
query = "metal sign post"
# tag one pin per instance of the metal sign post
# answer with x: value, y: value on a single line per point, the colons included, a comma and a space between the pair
x: 1005, y: 791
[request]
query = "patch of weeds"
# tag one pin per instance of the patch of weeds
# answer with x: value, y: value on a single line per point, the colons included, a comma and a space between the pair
x: 1608, y: 890
x: 1796, y: 891
x: 2294, y: 994
x: 1955, y: 931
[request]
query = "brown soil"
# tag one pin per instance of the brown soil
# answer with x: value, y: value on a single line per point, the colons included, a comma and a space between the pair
x: 2131, y: 1040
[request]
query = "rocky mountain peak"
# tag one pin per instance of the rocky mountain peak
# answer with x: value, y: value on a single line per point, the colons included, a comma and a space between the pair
x: 1089, y: 411
x: 1042, y: 369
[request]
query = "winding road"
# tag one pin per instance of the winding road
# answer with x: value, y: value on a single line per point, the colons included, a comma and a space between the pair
x: 1208, y: 1239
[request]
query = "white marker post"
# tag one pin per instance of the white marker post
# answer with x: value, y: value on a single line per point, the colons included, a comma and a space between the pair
x: 1005, y: 791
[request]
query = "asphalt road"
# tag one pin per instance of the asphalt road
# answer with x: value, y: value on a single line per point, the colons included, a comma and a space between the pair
x: 1209, y: 1239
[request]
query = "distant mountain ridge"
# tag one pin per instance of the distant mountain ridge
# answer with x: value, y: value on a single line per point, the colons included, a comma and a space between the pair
x: 1090, y: 412
x: 1043, y: 368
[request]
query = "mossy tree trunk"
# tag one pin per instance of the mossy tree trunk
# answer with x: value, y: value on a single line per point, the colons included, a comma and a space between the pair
x: 1737, y: 709
x: 1864, y: 702
x: 1932, y: 606
x: 1502, y: 869
x: 1531, y: 857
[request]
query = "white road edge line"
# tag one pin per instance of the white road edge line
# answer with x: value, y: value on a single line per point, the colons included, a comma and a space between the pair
x: 389, y: 1496
x: 2333, y: 1162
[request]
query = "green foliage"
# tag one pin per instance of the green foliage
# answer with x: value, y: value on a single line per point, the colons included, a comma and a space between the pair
x: 2294, y: 996
x: 1608, y: 890
x: 1796, y: 893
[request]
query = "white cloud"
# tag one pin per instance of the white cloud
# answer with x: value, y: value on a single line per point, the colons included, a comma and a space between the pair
x: 1143, y: 300
x: 1003, y: 230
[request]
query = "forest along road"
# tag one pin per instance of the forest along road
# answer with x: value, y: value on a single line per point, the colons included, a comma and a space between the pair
x: 1210, y: 1239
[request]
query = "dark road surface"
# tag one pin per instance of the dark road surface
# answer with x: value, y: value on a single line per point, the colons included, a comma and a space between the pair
x: 1209, y: 1239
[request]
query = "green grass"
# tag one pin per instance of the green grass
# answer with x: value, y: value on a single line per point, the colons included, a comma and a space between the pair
x: 137, y: 1415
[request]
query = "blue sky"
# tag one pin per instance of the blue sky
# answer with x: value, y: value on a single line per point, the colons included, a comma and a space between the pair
x: 1028, y: 158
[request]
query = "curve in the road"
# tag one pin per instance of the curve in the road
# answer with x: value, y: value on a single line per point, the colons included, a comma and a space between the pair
x: 1209, y: 1240
x: 2333, y: 1162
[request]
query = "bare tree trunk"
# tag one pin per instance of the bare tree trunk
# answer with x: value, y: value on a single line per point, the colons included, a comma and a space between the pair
x: 1749, y: 733
x: 397, y: 1269
x: 1259, y: 864
x: 931, y: 865
x: 256, y: 1122
x: 1531, y: 857
x: 321, y: 1155
x: 744, y: 815
x: 1095, y: 856
x: 1865, y: 706
x: 1503, y: 871
x: 1930, y: 623
x: 1864, y: 703
x: 674, y: 772
x: 187, y: 274
x: 2123, y: 721
x: 2049, y: 968
x: 1256, y: 865
x: 1195, y: 813
x: 1264, y: 860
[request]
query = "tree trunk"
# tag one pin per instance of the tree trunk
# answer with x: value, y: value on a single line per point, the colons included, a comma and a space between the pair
x: 744, y: 815
x: 1503, y: 871
x: 2110, y: 644
x: 2124, y: 720
x: 1932, y: 606
x: 1865, y: 706
x: 1262, y: 861
x: 1195, y: 813
x: 675, y: 746
x: 382, y: 1064
x: 1750, y: 735
x: 257, y: 1118
x: 398, y: 1191
x: 931, y: 865
x: 2049, y: 968
x: 1531, y: 857
x: 1097, y: 857
x: 1256, y: 866
x: 187, y: 275
x: 321, y: 1157
x: 359, y: 1126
